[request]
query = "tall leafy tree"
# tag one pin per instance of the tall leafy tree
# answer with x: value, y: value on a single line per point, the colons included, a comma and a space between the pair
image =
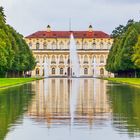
x: 2, y: 15
x: 15, y: 55
x: 123, y: 56
x: 136, y: 55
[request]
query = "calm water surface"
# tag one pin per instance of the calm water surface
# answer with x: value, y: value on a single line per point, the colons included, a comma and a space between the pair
x: 70, y: 109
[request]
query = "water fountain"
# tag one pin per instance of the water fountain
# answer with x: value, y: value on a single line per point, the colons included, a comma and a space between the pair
x: 95, y: 68
x: 46, y: 72
x: 74, y: 62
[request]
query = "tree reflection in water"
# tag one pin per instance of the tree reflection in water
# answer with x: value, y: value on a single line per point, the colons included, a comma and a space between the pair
x: 125, y: 104
x: 13, y: 104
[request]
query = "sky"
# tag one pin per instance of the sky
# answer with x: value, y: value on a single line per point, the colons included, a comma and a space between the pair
x: 28, y: 16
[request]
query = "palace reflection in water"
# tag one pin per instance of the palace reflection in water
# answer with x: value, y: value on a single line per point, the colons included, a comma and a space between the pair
x: 70, y: 101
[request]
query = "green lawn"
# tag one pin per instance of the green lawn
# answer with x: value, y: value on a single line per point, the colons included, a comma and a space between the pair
x: 6, y: 82
x: 133, y: 81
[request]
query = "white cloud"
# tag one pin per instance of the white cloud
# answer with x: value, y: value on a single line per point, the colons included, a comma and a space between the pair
x: 29, y: 15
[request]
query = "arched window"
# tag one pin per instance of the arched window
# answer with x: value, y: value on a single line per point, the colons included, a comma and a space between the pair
x: 108, y: 45
x: 53, y: 60
x: 101, y: 71
x: 44, y: 45
x: 101, y: 45
x: 61, y: 60
x: 68, y: 61
x: 68, y: 45
x: 37, y: 59
x: 78, y: 45
x: 61, y: 71
x: 94, y: 45
x: 44, y: 59
x: 85, y: 71
x: 37, y: 46
x: 85, y: 45
x: 101, y: 59
x: 53, y: 70
x: 61, y: 45
x: 53, y: 45
x: 85, y: 59
x: 37, y: 71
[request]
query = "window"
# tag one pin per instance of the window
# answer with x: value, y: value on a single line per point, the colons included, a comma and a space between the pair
x: 44, y: 45
x: 78, y: 45
x: 85, y: 59
x: 101, y: 59
x: 108, y: 45
x: 68, y: 45
x: 101, y: 45
x: 37, y: 46
x: 37, y: 59
x: 44, y: 58
x: 61, y: 60
x: 68, y: 61
x: 61, y: 71
x: 94, y: 45
x: 37, y: 71
x: 53, y: 70
x: 85, y: 45
x: 53, y: 46
x: 85, y: 71
x: 101, y: 71
x: 53, y: 60
x: 30, y: 45
x: 61, y: 45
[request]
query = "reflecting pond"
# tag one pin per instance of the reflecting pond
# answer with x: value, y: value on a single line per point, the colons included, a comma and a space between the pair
x: 72, y: 109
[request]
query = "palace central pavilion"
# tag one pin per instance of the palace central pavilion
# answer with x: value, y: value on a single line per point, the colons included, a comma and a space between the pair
x: 54, y: 46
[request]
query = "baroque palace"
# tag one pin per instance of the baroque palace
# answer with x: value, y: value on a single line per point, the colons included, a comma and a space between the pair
x: 54, y: 46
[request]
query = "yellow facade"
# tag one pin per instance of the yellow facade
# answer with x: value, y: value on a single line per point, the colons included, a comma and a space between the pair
x: 56, y: 51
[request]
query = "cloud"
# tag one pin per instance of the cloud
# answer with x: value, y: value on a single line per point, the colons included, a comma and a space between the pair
x: 28, y: 16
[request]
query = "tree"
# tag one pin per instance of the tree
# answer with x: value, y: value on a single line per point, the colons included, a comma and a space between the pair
x: 123, y: 53
x: 136, y: 55
x: 16, y: 57
x: 2, y: 15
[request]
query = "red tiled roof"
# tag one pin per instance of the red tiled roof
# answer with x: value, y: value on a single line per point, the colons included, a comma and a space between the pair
x: 66, y: 34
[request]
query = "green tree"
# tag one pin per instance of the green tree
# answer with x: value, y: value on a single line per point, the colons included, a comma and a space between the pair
x: 16, y: 57
x: 122, y: 54
x: 136, y: 55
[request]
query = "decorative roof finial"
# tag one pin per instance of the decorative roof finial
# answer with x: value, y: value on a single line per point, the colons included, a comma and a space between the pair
x: 90, y: 29
x: 48, y: 28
